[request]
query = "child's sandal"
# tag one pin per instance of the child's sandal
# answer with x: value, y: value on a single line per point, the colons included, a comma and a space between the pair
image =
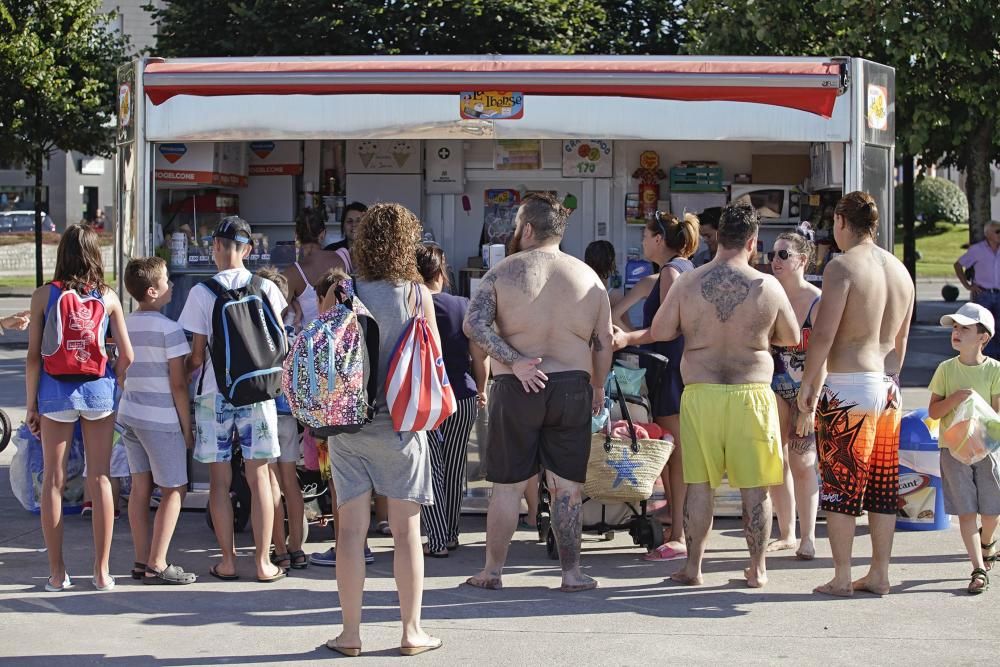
x: 979, y: 583
x: 138, y: 570
x: 989, y: 551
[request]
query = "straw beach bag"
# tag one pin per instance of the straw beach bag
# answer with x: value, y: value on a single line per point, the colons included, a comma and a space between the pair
x: 624, y: 470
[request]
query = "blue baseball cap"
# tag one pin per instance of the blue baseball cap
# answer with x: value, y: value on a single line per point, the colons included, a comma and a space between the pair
x: 234, y: 228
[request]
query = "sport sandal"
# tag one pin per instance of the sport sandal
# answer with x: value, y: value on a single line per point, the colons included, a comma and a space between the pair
x: 979, y: 582
x: 170, y: 575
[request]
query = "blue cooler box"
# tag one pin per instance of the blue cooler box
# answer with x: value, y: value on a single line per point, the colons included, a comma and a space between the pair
x: 921, y: 500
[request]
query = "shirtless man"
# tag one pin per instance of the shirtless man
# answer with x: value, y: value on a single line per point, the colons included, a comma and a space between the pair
x: 860, y: 338
x: 545, y: 319
x: 730, y: 314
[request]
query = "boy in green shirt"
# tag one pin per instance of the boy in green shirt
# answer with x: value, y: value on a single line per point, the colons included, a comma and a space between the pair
x: 970, y: 491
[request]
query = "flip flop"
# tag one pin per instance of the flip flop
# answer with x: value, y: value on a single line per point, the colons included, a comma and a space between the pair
x: 270, y: 580
x: 67, y: 584
x: 488, y: 585
x: 417, y: 650
x: 664, y: 552
x: 349, y: 651
x: 223, y: 577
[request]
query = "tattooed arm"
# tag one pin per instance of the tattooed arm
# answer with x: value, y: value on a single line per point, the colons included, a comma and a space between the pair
x: 478, y: 326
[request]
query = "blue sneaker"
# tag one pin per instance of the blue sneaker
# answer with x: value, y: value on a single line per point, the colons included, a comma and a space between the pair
x: 329, y: 558
x: 326, y: 559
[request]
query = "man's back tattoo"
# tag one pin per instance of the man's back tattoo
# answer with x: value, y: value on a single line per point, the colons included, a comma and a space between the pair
x: 725, y: 288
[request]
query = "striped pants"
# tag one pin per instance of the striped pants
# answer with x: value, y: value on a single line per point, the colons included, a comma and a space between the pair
x: 449, y: 454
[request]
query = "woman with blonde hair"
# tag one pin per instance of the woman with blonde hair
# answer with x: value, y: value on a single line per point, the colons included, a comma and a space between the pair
x: 378, y: 459
x: 669, y: 242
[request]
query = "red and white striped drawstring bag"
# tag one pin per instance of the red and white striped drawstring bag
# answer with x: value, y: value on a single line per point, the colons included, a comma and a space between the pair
x: 417, y: 390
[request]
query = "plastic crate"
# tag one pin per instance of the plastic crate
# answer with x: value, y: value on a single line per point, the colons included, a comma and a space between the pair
x: 696, y: 179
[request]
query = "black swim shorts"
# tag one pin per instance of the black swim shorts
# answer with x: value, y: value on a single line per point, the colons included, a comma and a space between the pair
x: 548, y: 429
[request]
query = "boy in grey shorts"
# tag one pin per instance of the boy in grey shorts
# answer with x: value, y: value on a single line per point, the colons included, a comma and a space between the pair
x: 155, y: 418
x: 970, y: 491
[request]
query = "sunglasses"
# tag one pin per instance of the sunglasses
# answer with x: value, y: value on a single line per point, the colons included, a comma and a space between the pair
x: 782, y: 254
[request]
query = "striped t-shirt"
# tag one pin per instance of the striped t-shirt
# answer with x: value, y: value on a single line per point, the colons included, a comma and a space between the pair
x: 148, y: 403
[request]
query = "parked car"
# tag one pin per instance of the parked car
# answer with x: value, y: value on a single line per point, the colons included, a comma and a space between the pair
x: 21, y: 222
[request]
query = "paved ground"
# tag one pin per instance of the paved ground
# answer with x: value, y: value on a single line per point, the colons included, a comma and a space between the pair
x: 636, y: 617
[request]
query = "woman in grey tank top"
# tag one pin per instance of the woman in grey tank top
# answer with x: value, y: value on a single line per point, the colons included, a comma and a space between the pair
x: 395, y: 465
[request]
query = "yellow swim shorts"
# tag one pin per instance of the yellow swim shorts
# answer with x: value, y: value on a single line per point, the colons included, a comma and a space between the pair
x: 731, y: 429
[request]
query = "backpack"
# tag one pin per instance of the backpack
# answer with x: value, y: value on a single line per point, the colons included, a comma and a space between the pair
x: 248, y: 343
x: 73, y: 334
x: 417, y: 390
x: 331, y: 373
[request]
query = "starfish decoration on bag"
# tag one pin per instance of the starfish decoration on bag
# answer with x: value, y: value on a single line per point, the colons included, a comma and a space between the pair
x: 625, y: 468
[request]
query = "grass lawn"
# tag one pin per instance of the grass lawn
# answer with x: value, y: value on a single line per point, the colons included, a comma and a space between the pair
x: 938, y: 249
x: 29, y: 281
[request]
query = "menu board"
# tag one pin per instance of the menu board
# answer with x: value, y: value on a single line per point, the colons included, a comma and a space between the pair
x: 517, y: 154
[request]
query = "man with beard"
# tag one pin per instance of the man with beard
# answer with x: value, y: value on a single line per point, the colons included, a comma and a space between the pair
x: 545, y: 318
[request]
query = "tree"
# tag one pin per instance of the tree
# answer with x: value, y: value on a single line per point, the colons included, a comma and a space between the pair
x: 946, y: 54
x: 640, y: 27
x: 359, y: 27
x: 58, y: 69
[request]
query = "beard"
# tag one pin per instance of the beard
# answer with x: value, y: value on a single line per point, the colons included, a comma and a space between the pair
x: 514, y: 245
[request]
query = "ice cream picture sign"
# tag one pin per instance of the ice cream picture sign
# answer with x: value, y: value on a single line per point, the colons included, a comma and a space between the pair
x: 398, y: 156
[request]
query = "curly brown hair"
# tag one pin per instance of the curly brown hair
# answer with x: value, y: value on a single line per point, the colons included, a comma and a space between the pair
x: 385, y: 245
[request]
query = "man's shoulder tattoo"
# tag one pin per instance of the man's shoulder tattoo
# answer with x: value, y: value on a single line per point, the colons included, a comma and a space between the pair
x: 725, y: 289
x: 527, y: 271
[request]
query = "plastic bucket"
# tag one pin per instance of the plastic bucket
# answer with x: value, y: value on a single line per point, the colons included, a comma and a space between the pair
x: 921, y: 500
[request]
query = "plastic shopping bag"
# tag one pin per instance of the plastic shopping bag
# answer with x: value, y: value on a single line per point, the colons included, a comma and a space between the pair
x: 26, y: 471
x: 974, y: 433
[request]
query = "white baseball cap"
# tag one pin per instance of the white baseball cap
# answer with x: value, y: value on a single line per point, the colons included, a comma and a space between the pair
x: 970, y: 313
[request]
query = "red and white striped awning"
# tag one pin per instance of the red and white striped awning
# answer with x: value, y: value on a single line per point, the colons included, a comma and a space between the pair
x: 805, y: 84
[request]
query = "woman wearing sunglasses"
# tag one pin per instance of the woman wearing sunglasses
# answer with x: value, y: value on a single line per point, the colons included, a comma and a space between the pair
x: 791, y: 255
x: 668, y: 242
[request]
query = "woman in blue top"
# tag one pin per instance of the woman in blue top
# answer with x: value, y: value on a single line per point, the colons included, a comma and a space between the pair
x: 57, y: 402
x: 467, y: 369
x: 668, y: 242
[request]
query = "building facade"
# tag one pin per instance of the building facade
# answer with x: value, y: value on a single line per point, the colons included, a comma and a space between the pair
x: 78, y: 186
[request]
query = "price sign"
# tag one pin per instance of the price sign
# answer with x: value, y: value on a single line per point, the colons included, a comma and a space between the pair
x: 587, y: 158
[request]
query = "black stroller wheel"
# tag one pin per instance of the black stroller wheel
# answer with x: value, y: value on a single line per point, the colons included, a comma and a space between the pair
x: 650, y: 533
x: 551, y: 548
x: 5, y: 430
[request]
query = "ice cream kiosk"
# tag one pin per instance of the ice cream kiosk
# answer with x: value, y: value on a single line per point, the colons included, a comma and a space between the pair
x: 460, y: 140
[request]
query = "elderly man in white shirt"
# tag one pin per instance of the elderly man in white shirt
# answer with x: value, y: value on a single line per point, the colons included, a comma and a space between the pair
x: 984, y: 287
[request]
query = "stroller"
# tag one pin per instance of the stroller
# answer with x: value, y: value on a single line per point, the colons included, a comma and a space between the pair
x: 646, y: 531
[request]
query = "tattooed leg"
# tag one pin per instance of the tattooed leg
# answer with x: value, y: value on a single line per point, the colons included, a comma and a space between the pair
x: 756, y: 526
x: 567, y: 524
x: 501, y: 521
x: 699, y: 508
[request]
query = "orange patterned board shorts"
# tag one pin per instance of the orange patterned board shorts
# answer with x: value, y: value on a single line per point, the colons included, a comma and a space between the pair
x: 857, y: 436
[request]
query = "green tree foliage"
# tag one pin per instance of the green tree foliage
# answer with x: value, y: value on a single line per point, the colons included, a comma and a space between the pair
x: 57, y: 72
x: 640, y: 27
x: 946, y: 54
x: 358, y: 27
x: 935, y: 200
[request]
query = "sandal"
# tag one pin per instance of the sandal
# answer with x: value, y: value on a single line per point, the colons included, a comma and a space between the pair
x: 665, y: 552
x: 138, y: 570
x: 284, y: 561
x: 299, y: 560
x: 171, y: 574
x: 989, y: 551
x: 979, y: 582
x: 382, y: 528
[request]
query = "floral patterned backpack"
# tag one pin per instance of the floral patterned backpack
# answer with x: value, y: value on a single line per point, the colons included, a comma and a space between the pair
x: 331, y: 374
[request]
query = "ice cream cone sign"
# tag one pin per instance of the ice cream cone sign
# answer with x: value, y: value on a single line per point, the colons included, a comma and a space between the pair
x: 649, y: 175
